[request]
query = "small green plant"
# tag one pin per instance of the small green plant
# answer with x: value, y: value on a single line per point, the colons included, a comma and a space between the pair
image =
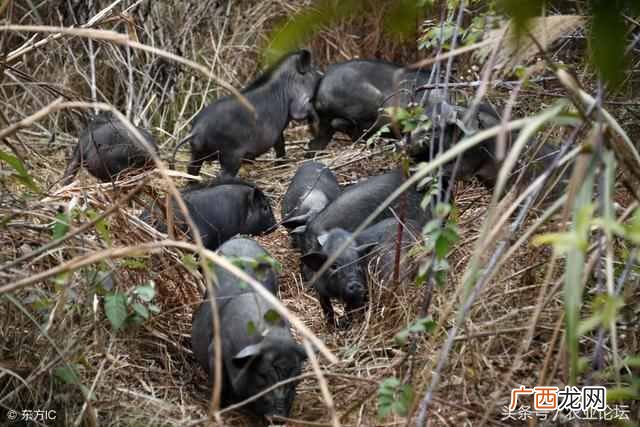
x: 271, y: 317
x: 133, y: 309
x: 60, y: 225
x: 394, y: 397
x: 440, y: 235
x: 102, y: 226
x: 422, y: 325
x: 409, y: 118
x: 21, y: 173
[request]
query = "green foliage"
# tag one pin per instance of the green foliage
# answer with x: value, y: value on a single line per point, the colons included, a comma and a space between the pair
x: 21, y: 173
x: 400, y: 21
x: 60, y: 226
x: 421, y: 325
x: 102, y: 226
x: 408, y: 118
x: 607, y: 38
x: 260, y: 266
x: 190, y: 262
x: 68, y: 374
x: 251, y: 328
x: 394, y: 397
x: 624, y: 394
x: 521, y: 11
x: 605, y: 310
x: 438, y: 34
x: 440, y: 234
x: 377, y: 134
x: 115, y: 307
x: 123, y: 310
x: 134, y: 263
x: 272, y: 316
x: 577, y: 238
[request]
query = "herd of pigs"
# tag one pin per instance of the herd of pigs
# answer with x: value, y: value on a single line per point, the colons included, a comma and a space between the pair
x: 319, y: 214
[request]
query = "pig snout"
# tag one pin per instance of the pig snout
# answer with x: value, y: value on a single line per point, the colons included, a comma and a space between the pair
x: 280, y: 405
x: 355, y: 292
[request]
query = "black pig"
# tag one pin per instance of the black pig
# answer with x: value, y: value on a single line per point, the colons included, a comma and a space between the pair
x: 312, y: 188
x: 228, y: 131
x: 349, y: 97
x: 221, y: 210
x: 258, y: 350
x: 381, y: 258
x: 358, y: 201
x: 345, y: 279
x: 107, y: 148
x: 479, y: 161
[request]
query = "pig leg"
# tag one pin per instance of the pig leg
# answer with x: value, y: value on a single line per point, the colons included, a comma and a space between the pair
x: 279, y: 147
x: 321, y: 139
x: 230, y: 163
x: 280, y: 151
x: 196, y: 163
x: 327, y: 309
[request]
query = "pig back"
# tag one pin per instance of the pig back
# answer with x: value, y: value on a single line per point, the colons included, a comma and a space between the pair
x: 358, y: 201
x: 311, y: 188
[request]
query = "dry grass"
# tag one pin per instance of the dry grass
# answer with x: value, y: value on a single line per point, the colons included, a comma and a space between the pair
x: 146, y: 375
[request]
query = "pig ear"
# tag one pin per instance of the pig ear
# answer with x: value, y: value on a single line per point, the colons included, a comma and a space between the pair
x: 245, y: 355
x: 299, y: 230
x: 303, y: 64
x: 296, y: 221
x: 322, y: 239
x: 314, y: 260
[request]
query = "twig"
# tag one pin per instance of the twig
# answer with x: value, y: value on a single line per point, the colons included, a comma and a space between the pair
x: 87, y: 225
x: 324, y: 387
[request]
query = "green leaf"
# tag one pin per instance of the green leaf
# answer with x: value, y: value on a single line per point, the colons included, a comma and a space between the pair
x: 115, y: 307
x: 623, y: 394
x: 450, y: 232
x: 442, y: 246
x: 632, y: 361
x: 60, y: 226
x: 251, y: 328
x: 442, y: 210
x: 431, y: 226
x: 393, y: 396
x: 140, y: 310
x: 271, y: 316
x: 102, y: 226
x: 632, y: 231
x: 589, y: 325
x: 61, y: 279
x: 67, y: 374
x: 22, y: 173
x: 146, y: 292
x: 421, y: 325
x: 135, y: 263
x: 607, y: 39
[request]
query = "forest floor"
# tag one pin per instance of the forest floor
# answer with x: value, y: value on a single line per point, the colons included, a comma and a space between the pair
x: 148, y: 375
